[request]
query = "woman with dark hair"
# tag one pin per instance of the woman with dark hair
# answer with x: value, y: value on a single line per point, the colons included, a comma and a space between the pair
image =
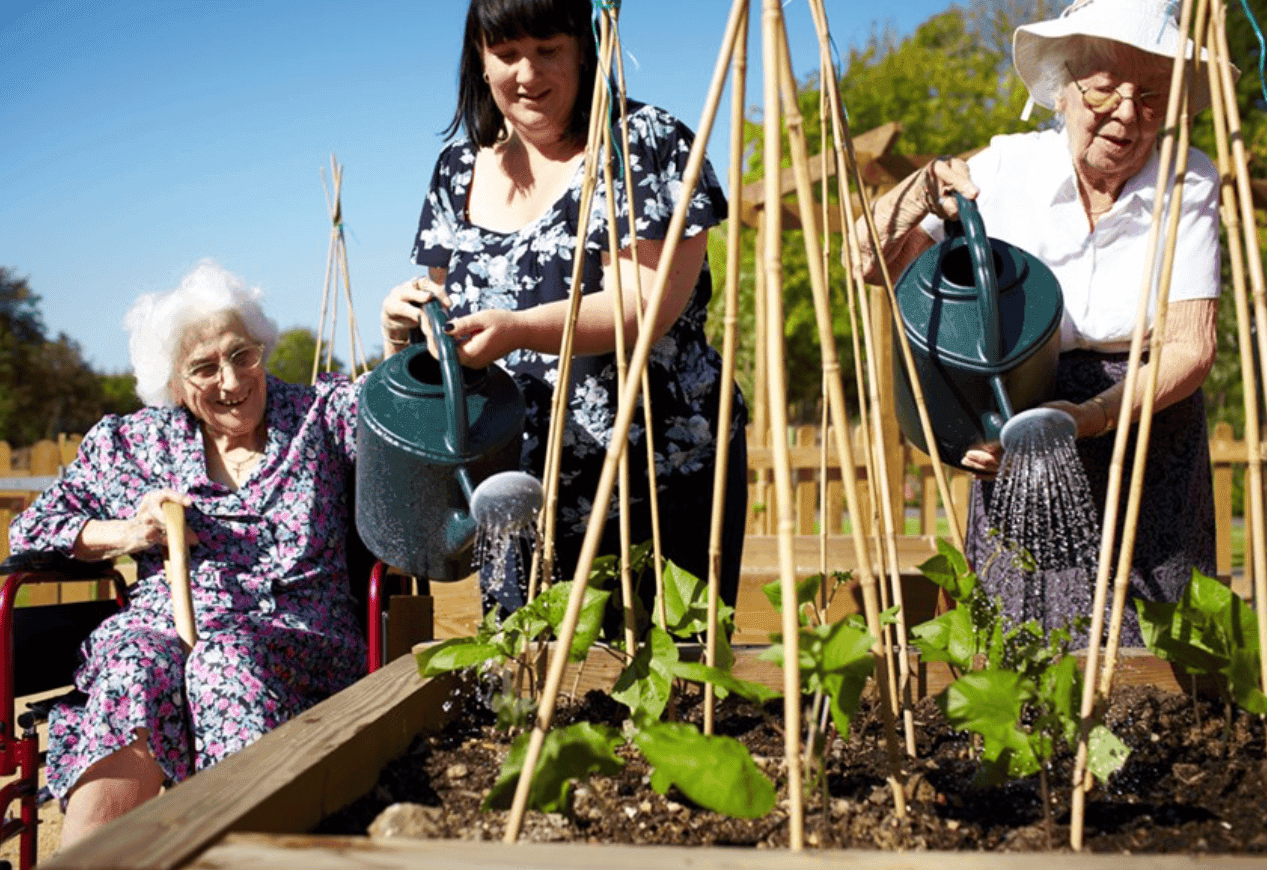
x: 497, y: 237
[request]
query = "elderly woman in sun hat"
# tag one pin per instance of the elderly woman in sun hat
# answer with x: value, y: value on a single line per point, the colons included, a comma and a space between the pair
x: 261, y: 467
x: 1080, y: 199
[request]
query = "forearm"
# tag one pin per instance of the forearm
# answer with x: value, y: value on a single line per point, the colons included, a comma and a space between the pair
x: 107, y: 539
x: 596, y: 321
x: 897, y: 216
x: 1187, y: 354
x: 543, y: 326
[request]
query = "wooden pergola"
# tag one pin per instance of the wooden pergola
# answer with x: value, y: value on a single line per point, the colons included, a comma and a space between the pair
x: 880, y: 169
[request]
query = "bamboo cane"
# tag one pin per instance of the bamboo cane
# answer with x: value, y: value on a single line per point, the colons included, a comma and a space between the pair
x: 325, y: 286
x: 917, y: 391
x: 771, y: 45
x: 653, y: 495
x: 1108, y: 533
x: 542, y: 568
x: 827, y: 340
x: 618, y: 316
x: 1259, y: 288
x: 1135, y: 494
x: 900, y: 689
x: 176, y: 567
x: 730, y: 329
x: 620, y: 432
x: 1236, y: 256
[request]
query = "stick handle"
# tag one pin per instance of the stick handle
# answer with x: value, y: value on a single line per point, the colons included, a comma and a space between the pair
x: 178, y: 573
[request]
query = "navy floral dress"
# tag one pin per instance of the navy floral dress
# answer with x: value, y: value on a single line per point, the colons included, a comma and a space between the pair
x: 533, y: 265
x: 277, y: 632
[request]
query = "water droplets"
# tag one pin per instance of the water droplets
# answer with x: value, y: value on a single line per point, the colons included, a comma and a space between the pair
x: 1045, y: 520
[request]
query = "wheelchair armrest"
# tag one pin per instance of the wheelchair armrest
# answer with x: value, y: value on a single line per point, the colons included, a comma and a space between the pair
x: 52, y: 562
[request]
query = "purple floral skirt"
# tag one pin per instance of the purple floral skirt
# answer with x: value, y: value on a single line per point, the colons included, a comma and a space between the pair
x: 246, y: 675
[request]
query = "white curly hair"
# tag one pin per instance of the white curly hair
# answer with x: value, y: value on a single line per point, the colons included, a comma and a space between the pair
x: 159, y: 323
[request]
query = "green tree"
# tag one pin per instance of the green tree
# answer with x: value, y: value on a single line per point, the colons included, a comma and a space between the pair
x: 46, y: 387
x: 292, y: 358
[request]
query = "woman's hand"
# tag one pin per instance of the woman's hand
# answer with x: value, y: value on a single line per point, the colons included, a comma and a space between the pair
x: 402, y: 311
x: 946, y: 177
x: 106, y: 539
x: 898, y: 214
x: 983, y: 460
x: 484, y: 337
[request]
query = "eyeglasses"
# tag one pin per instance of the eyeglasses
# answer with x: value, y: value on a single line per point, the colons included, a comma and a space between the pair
x: 207, y: 374
x: 1103, y: 101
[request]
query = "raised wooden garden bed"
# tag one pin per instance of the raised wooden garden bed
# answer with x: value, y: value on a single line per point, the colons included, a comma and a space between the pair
x: 250, y: 810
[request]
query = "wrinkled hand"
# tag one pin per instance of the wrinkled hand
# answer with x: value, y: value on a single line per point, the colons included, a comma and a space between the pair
x: 946, y: 176
x: 147, y: 527
x: 983, y: 460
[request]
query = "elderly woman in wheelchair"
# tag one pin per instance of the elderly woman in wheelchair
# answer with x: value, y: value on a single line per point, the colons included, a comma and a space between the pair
x: 261, y: 468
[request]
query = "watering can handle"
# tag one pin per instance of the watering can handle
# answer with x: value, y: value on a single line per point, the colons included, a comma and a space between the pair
x: 986, y: 282
x: 451, y: 372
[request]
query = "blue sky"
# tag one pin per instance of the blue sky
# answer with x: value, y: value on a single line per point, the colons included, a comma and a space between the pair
x: 140, y: 137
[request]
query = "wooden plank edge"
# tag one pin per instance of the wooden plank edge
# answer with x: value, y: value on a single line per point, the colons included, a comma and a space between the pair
x: 287, y: 781
x: 242, y: 851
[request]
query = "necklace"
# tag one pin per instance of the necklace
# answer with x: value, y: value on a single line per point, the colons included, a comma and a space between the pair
x: 239, y: 467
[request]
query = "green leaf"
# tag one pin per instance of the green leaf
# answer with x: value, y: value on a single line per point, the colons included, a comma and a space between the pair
x: 1209, y: 631
x: 714, y: 772
x: 686, y: 603
x: 455, y: 654
x: 554, y: 602
x: 950, y: 637
x: 701, y: 673
x: 990, y: 703
x: 949, y: 570
x: 1105, y: 753
x: 567, y: 754
x: 645, y: 685
x: 806, y: 593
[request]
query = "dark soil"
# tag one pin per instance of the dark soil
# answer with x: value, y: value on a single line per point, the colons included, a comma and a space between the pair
x: 1187, y: 787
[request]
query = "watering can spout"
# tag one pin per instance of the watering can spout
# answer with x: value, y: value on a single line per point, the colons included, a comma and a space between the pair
x: 457, y: 532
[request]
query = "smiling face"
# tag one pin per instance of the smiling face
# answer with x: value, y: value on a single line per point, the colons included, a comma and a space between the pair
x: 534, y: 83
x: 232, y: 404
x: 1110, y: 147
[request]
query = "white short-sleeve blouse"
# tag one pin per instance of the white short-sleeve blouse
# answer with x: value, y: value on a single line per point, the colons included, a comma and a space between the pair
x: 1029, y: 198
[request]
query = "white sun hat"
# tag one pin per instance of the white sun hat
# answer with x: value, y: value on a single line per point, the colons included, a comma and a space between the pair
x: 1149, y: 25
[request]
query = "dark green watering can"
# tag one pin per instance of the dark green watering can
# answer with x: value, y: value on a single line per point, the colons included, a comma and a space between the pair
x: 428, y: 432
x: 983, y: 321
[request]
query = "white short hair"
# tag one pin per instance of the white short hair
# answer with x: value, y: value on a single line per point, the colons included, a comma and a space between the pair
x: 158, y: 323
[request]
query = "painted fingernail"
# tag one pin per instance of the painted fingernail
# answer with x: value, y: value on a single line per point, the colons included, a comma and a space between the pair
x: 449, y: 327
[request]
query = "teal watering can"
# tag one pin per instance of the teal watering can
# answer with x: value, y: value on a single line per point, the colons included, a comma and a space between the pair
x: 437, y: 445
x: 983, y: 321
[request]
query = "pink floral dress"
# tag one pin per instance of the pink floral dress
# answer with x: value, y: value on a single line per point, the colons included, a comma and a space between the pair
x: 276, y: 627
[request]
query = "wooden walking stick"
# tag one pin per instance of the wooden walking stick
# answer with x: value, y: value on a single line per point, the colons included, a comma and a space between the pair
x: 177, y: 570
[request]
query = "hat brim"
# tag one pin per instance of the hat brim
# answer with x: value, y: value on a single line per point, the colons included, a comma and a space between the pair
x: 1034, y: 45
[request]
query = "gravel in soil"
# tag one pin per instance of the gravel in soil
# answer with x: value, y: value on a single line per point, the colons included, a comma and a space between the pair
x: 1194, y: 783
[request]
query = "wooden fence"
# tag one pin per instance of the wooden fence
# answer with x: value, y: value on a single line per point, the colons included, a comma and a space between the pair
x: 916, y: 501
x: 914, y: 494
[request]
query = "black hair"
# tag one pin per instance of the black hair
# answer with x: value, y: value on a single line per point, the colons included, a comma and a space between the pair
x: 493, y: 21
